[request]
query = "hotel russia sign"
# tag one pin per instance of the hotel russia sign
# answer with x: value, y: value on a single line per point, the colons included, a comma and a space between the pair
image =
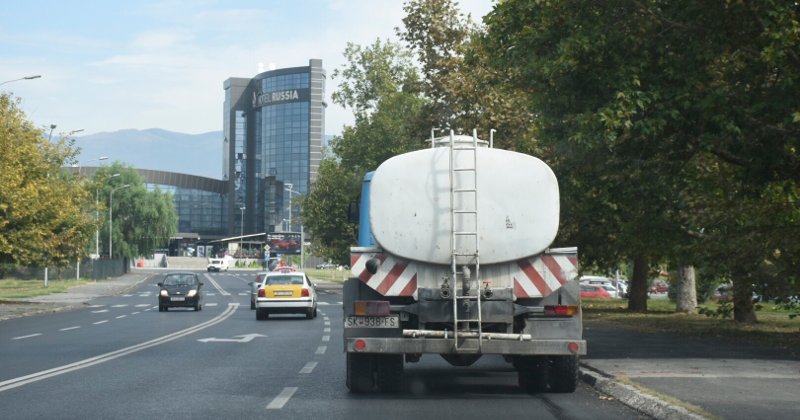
x: 280, y: 97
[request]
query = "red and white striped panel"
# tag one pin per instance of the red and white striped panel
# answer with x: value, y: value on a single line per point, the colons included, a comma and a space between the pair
x: 541, y: 275
x: 394, y: 277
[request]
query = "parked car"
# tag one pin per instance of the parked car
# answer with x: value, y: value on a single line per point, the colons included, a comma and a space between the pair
x: 659, y: 287
x: 180, y: 290
x: 285, y: 291
x: 618, y: 290
x: 217, y: 264
x: 594, y: 291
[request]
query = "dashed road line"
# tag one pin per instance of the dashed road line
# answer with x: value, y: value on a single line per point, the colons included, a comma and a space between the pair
x: 119, y: 306
x: 210, y: 304
x: 22, y: 337
x: 121, y: 316
x: 23, y: 380
x: 100, y: 311
x: 100, y: 322
x: 321, y: 349
x: 142, y: 305
x: 327, y: 329
x: 282, y: 398
x: 309, y: 367
x: 326, y: 338
x: 70, y: 328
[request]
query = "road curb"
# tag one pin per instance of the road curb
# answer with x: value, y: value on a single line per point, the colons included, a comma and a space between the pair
x: 635, y: 398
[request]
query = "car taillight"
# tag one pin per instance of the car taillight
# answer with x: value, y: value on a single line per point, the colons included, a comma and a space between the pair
x: 262, y: 293
x: 304, y: 292
x: 371, y: 308
x: 560, y: 310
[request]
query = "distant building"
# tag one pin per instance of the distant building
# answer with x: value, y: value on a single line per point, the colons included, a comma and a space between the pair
x: 273, y: 129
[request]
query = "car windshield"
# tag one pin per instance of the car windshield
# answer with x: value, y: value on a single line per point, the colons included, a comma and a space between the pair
x: 180, y: 280
x: 275, y: 280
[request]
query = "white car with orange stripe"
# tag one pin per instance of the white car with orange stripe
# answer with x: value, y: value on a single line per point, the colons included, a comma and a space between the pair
x: 286, y: 292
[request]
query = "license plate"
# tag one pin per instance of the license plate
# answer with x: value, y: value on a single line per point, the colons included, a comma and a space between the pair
x: 372, y: 321
x: 177, y: 299
x: 283, y: 293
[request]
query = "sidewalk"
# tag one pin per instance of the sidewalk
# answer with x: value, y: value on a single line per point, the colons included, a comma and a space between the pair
x: 723, y: 378
x: 74, y: 297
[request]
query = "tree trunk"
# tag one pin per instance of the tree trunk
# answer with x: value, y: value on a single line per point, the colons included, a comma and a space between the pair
x: 686, y: 294
x: 743, y: 309
x: 637, y: 301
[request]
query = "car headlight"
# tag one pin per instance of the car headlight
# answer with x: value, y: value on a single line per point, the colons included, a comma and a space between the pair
x: 191, y: 293
x: 164, y: 293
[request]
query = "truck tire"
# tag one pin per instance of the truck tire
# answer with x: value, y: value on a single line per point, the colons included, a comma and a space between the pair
x: 360, y: 371
x: 532, y: 373
x: 564, y: 374
x: 389, y: 372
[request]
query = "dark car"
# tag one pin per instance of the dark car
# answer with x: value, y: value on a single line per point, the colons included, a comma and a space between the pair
x: 180, y: 290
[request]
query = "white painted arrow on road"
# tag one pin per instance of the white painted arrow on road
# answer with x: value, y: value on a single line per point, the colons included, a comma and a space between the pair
x: 246, y: 338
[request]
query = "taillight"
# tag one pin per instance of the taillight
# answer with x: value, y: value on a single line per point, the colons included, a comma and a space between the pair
x: 371, y: 308
x: 262, y: 293
x: 304, y: 292
x: 560, y: 310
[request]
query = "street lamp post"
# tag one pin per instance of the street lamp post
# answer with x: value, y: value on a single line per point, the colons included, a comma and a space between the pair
x: 97, y: 218
x: 290, y: 190
x: 22, y: 78
x: 90, y: 160
x: 241, y: 233
x: 110, y: 220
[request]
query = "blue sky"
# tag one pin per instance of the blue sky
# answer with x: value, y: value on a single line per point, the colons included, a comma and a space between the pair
x: 109, y: 65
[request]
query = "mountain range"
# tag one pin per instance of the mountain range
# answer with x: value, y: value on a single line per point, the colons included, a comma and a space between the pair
x: 194, y: 154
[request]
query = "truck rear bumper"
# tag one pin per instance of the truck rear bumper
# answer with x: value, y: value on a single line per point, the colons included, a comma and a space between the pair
x: 559, y: 347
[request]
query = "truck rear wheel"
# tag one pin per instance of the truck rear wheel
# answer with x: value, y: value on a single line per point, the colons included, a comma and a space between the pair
x: 389, y: 369
x: 532, y: 373
x: 360, y: 377
x: 564, y: 374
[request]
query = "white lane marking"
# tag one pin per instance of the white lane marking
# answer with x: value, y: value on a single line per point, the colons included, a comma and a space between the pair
x: 244, y: 338
x: 26, y: 336
x: 244, y: 294
x: 100, y: 322
x: 95, y: 306
x: 326, y: 318
x: 121, y: 316
x: 327, y: 323
x: 210, y: 304
x: 326, y: 338
x: 321, y: 349
x: 214, y: 283
x: 142, y: 305
x: 282, y: 398
x: 119, y: 306
x: 127, y: 295
x: 327, y: 330
x: 100, y: 311
x: 145, y: 295
x: 135, y: 313
x: 38, y: 376
x: 309, y: 367
x: 70, y: 328
x: 211, y: 294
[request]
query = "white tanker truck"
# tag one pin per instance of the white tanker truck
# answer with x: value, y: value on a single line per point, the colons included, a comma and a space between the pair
x: 453, y: 259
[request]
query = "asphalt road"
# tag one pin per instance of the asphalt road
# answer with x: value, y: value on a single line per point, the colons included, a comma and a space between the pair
x: 121, y: 358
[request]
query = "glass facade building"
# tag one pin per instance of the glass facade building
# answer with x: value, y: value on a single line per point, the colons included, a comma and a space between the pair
x: 273, y: 133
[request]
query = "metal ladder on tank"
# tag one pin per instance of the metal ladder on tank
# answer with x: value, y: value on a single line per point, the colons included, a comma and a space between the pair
x: 457, y: 225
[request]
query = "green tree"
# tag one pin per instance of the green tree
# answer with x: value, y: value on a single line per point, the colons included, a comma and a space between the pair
x: 44, y: 212
x: 143, y: 220
x: 656, y: 114
x: 465, y: 92
x: 379, y: 84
